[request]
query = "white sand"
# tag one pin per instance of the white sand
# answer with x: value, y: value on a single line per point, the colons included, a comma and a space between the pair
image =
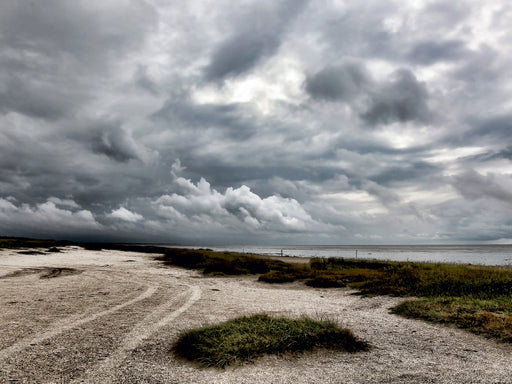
x: 116, y: 321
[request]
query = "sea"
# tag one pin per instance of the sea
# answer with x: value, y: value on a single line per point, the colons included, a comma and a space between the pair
x: 458, y: 254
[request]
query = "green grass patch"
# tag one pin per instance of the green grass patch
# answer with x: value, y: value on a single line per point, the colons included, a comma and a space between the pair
x: 432, y: 280
x: 491, y: 318
x: 246, y: 338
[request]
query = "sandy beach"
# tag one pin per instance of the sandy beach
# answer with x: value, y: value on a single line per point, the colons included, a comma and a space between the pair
x: 80, y: 316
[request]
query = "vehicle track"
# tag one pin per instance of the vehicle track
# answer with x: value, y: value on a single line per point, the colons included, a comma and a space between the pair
x: 71, y: 322
x: 159, y: 317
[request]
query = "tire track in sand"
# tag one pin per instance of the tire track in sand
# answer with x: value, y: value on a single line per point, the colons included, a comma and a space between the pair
x: 70, y: 323
x: 105, y: 371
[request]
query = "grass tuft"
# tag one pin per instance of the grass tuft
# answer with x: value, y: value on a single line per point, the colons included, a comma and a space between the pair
x: 246, y: 338
x: 491, y: 318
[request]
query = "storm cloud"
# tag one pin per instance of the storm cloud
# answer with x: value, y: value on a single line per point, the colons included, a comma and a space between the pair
x: 343, y: 82
x: 256, y: 35
x: 401, y: 99
x: 265, y: 122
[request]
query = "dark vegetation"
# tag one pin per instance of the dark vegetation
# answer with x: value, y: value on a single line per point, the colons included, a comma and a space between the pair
x: 23, y: 242
x: 53, y: 245
x: 226, y: 263
x: 245, y: 338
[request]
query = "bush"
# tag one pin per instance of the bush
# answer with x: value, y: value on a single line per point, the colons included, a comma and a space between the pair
x: 245, y: 338
x: 325, y: 281
x: 277, y: 277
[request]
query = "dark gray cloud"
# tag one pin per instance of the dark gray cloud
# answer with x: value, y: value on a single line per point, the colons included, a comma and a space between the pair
x: 473, y: 185
x: 241, y: 53
x: 343, y: 82
x: 53, y: 54
x: 38, y: 100
x: 385, y: 195
x: 402, y: 99
x: 81, y: 33
x: 492, y: 129
x: 287, y: 121
x: 183, y: 113
x: 432, y: 51
x: 114, y: 142
x: 257, y: 34
x: 406, y: 171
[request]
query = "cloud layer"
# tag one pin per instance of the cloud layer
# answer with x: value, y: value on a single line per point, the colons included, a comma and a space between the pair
x: 270, y: 122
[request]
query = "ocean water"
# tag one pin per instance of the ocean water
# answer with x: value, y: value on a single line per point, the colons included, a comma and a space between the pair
x: 460, y: 254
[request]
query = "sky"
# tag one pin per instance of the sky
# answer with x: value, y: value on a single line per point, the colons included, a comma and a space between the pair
x: 256, y: 121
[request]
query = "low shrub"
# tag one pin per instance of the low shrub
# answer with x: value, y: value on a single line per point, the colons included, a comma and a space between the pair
x: 277, y: 277
x: 325, y: 281
x: 337, y: 263
x: 246, y: 338
x: 225, y: 263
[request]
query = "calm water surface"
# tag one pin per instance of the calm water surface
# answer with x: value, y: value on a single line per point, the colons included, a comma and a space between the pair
x: 462, y: 254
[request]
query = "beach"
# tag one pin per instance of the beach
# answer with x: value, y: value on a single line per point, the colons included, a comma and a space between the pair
x: 82, y: 316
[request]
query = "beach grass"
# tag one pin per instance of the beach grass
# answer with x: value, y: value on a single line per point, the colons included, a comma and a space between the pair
x: 472, y: 297
x: 245, y: 338
x: 491, y: 318
x: 222, y: 263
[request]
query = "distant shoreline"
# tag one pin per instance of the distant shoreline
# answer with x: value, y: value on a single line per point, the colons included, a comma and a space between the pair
x: 477, y: 254
x: 492, y: 254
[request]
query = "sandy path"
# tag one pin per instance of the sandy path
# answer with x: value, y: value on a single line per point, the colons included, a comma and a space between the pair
x: 69, y: 323
x: 106, y: 371
x: 115, y: 322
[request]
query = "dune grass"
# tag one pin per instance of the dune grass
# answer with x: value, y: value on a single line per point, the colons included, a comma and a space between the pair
x: 245, y: 338
x: 222, y: 263
x: 491, y: 318
x: 475, y: 298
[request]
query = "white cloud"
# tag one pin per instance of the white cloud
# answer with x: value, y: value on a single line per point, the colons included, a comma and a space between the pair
x: 236, y: 208
x: 124, y: 214
x: 47, y: 218
x: 64, y: 202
